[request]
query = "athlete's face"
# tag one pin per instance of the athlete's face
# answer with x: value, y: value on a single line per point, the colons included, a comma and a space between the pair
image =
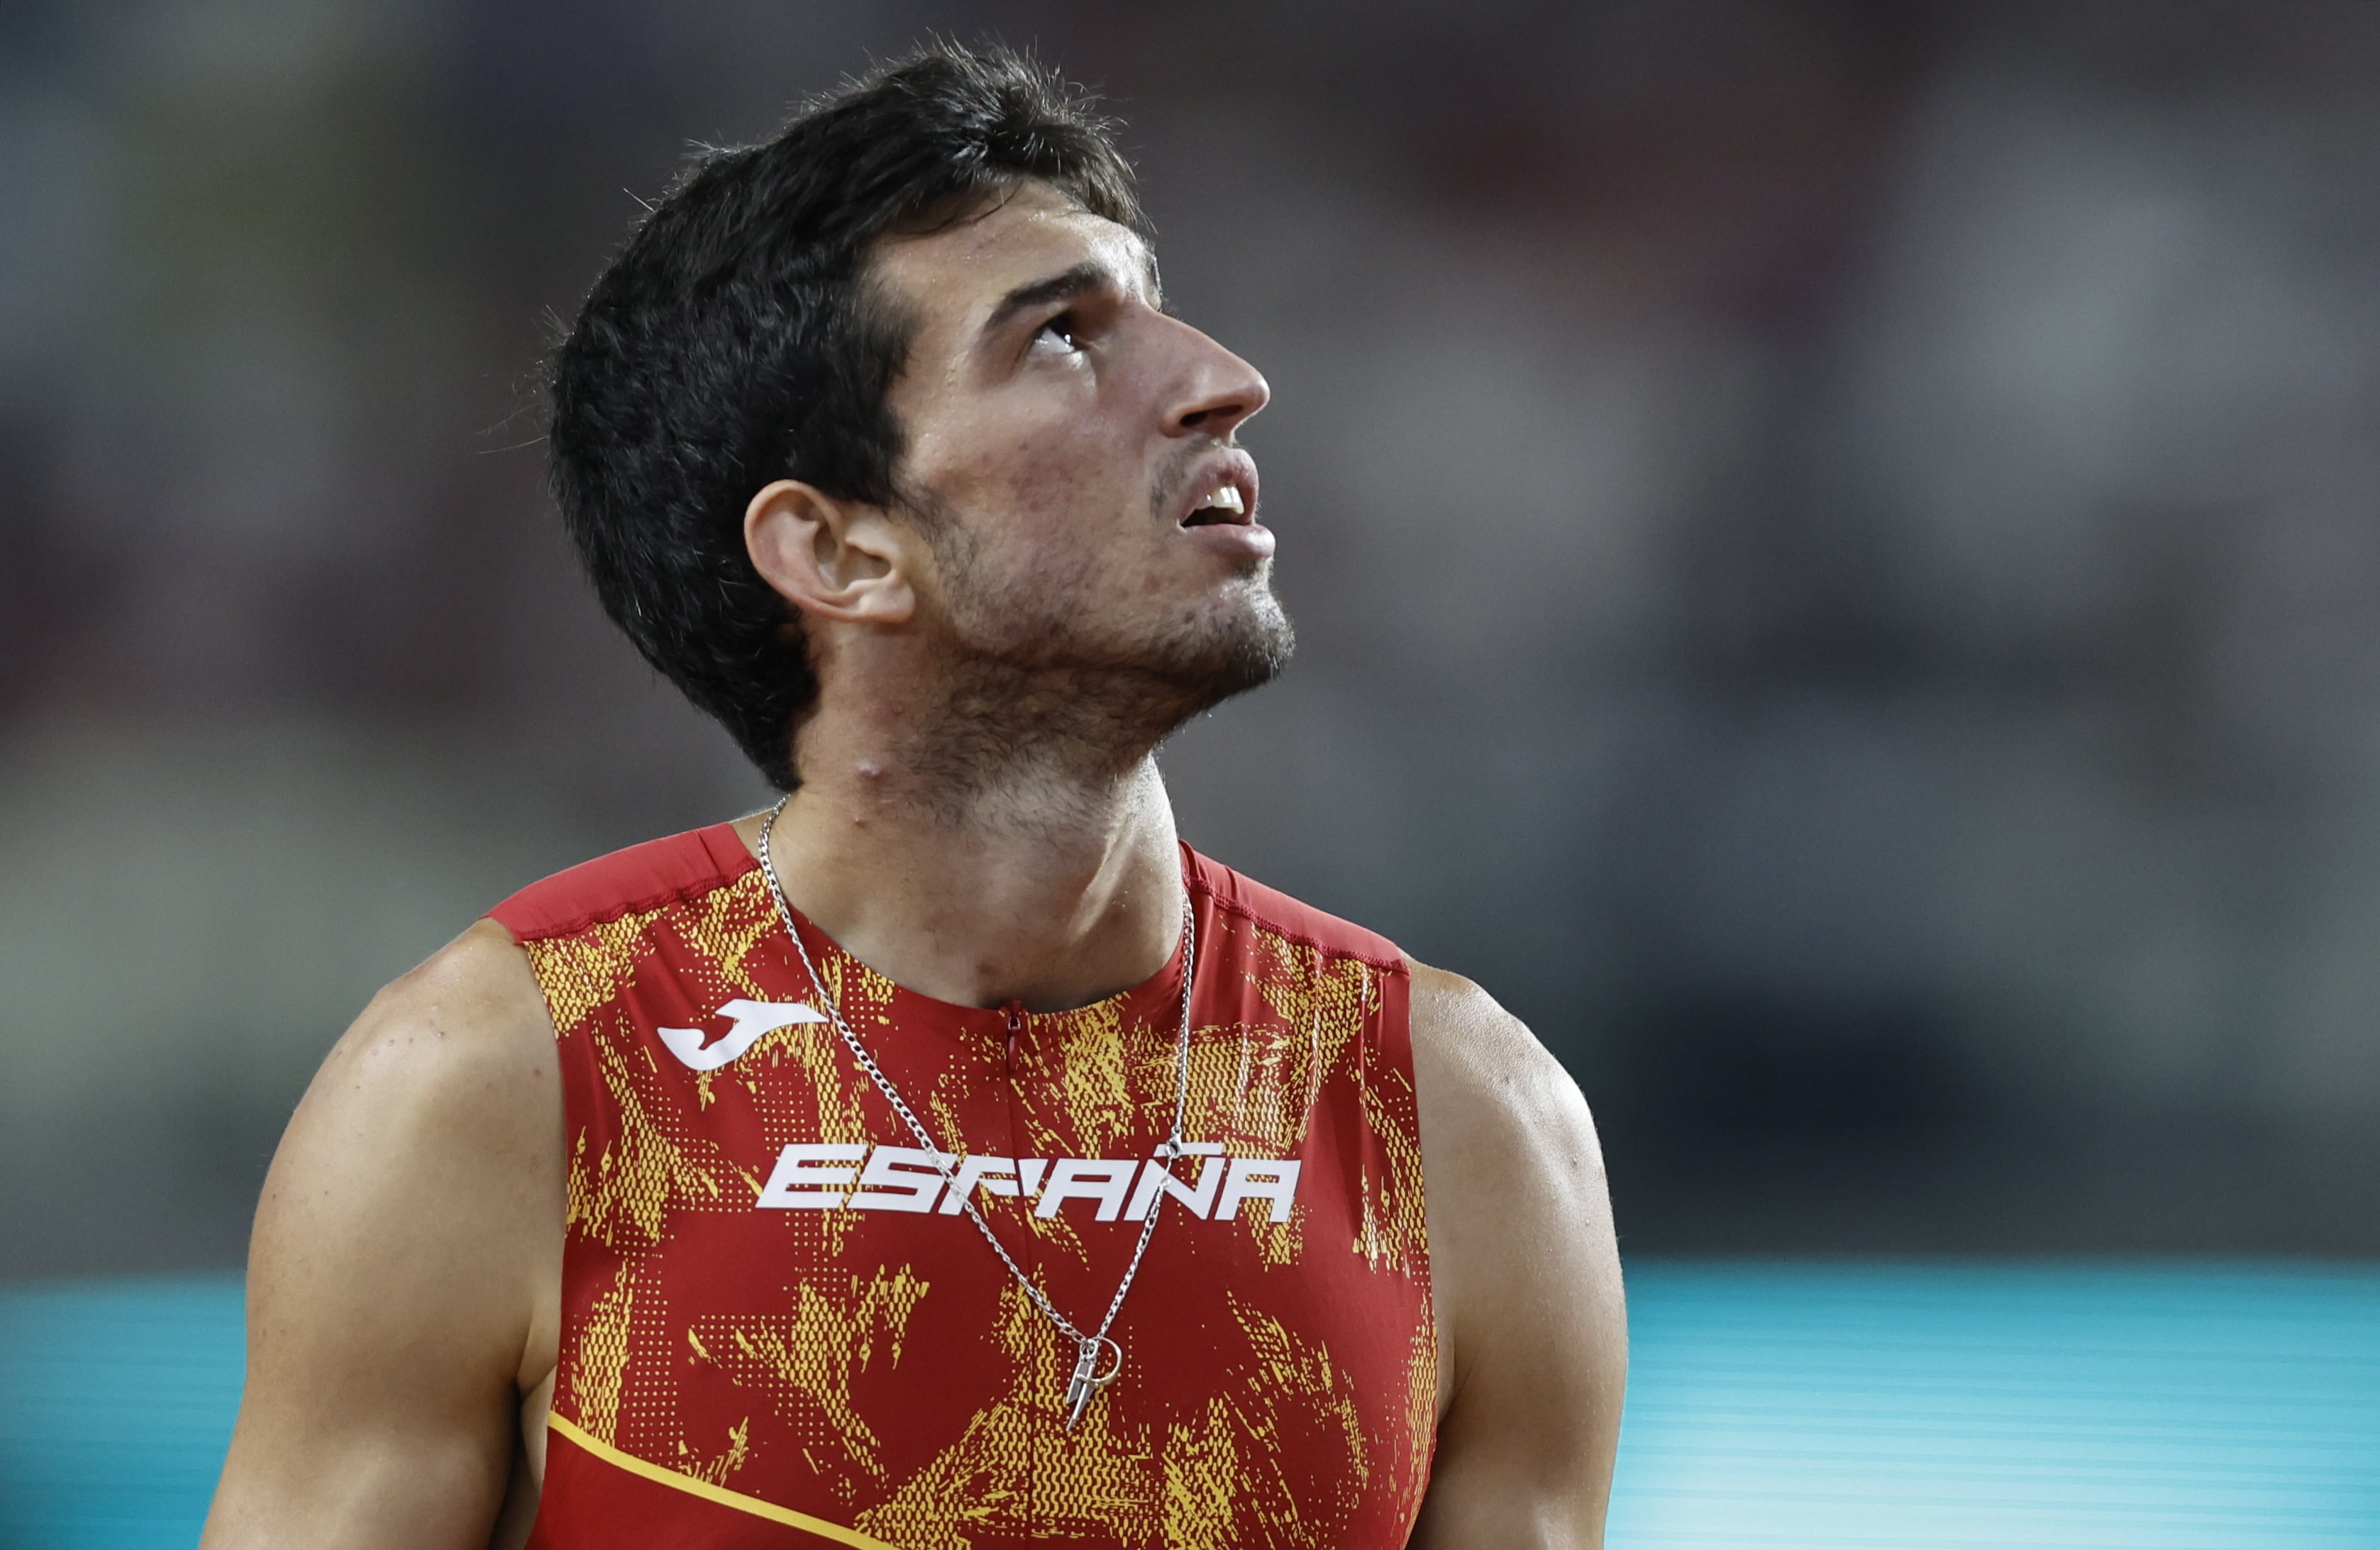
x: 1076, y: 445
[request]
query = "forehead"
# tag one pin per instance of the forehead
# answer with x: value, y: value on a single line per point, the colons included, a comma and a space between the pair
x: 955, y: 277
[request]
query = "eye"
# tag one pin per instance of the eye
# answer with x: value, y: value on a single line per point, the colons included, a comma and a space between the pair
x: 1056, y: 337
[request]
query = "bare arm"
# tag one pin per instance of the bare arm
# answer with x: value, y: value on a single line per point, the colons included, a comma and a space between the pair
x: 1534, y: 1348
x: 410, y: 1231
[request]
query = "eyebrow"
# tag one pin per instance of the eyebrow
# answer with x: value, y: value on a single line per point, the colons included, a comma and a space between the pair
x: 1065, y: 286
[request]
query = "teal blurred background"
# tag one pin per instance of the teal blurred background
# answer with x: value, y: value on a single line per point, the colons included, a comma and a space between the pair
x: 2192, y: 1407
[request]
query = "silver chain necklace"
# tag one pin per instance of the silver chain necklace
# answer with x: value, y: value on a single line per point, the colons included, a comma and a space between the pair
x: 1087, y: 1379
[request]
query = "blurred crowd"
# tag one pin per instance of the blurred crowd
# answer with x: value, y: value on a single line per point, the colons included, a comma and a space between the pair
x: 1833, y: 542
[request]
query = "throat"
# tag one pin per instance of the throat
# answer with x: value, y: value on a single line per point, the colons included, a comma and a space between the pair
x: 1053, y: 898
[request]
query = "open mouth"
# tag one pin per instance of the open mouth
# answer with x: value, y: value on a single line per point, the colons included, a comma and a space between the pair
x: 1224, y: 504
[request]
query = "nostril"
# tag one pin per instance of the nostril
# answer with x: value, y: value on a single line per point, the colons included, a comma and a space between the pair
x: 1214, y: 416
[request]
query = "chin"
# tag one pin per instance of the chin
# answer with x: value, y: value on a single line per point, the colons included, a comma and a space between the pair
x: 1120, y: 672
x: 1229, y: 653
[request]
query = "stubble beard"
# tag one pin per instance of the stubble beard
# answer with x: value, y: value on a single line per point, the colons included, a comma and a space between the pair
x: 1033, y: 683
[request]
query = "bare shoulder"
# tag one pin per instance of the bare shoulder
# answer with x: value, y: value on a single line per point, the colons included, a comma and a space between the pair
x: 1490, y: 1093
x: 1533, y: 1327
x: 461, y: 1046
x: 437, y: 1119
x: 405, y: 1247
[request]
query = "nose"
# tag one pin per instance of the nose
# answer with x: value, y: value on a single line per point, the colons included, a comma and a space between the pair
x: 1219, y: 390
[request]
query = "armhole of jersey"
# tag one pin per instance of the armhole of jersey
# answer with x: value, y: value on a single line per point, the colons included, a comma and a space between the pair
x: 1242, y: 895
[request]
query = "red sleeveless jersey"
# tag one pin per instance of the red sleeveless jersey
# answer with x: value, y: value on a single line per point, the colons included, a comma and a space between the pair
x: 778, y: 1329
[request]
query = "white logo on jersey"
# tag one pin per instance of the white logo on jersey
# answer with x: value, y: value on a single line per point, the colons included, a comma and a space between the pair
x: 747, y: 1021
x: 823, y: 1177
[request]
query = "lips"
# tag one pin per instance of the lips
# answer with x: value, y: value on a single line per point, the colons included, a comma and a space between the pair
x: 1220, y: 492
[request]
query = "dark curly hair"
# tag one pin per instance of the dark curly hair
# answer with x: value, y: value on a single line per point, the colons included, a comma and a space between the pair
x: 737, y: 340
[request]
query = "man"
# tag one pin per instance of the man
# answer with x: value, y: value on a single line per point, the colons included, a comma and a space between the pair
x: 947, y: 1156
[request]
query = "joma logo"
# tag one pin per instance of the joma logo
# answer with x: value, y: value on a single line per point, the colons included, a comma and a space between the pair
x: 844, y: 1176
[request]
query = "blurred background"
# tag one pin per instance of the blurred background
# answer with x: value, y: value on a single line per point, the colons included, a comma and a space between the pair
x: 1834, y: 544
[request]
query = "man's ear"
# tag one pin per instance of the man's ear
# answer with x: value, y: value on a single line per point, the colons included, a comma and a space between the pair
x: 834, y: 559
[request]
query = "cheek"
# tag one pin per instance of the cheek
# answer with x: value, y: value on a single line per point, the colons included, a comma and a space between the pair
x: 1055, y: 492
x: 1073, y: 487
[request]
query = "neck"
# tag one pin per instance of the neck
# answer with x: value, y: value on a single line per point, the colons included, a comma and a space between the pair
x: 1034, y: 874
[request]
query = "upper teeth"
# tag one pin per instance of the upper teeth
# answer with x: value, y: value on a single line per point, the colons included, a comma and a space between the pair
x: 1226, y: 499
